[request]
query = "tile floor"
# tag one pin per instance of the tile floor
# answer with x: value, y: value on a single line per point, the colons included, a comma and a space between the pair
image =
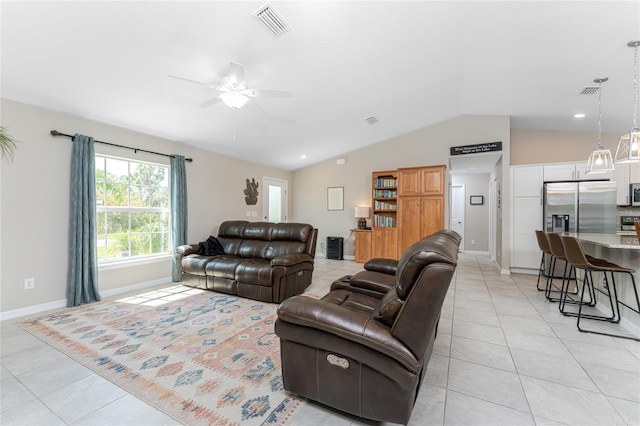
x: 503, y: 356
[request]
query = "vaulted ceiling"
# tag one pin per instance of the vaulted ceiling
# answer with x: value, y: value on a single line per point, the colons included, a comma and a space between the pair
x: 409, y: 64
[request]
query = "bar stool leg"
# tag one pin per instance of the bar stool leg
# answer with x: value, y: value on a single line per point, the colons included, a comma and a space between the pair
x: 616, y: 314
x: 542, y: 272
x: 564, y: 291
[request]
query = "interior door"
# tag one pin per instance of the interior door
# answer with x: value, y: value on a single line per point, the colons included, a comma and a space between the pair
x: 456, y: 222
x: 274, y: 206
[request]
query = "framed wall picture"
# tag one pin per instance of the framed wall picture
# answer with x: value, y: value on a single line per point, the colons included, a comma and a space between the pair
x: 476, y: 200
x: 335, y: 198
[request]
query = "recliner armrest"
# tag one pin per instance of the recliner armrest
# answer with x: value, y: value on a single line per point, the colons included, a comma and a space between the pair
x: 348, y: 324
x: 188, y: 249
x: 291, y: 259
x: 385, y: 266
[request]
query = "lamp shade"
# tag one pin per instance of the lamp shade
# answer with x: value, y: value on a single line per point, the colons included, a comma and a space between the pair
x: 629, y: 147
x: 362, y: 212
x: 600, y: 161
x: 234, y: 100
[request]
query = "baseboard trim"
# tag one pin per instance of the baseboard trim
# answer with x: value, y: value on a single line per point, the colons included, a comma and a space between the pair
x: 478, y: 252
x: 31, y: 310
x: 524, y: 271
x: 344, y: 256
x: 59, y: 304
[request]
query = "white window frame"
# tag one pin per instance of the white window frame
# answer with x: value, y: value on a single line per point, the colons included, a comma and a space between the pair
x: 143, y: 258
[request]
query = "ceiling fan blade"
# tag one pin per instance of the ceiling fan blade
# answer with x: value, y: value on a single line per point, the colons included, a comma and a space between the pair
x: 266, y: 93
x: 202, y: 83
x: 235, y: 77
x: 210, y: 102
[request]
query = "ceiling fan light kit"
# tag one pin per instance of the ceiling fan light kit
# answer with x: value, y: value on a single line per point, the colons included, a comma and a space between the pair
x: 600, y: 160
x: 233, y: 100
x: 629, y: 144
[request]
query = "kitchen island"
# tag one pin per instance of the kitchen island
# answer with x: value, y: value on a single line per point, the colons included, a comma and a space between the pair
x: 623, y: 250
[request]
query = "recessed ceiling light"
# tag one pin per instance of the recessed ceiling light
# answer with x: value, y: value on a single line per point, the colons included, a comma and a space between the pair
x: 579, y: 115
x: 303, y: 156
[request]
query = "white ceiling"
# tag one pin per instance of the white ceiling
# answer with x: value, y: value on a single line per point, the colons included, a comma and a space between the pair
x: 411, y: 64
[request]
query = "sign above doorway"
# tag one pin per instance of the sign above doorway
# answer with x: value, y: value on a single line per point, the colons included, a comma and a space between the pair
x: 477, y: 148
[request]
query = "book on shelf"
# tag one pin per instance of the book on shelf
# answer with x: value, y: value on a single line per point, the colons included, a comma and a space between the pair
x: 380, y: 221
x: 384, y: 193
x: 385, y: 182
x: 381, y: 205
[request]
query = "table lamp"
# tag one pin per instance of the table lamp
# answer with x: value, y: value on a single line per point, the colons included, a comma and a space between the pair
x: 362, y: 213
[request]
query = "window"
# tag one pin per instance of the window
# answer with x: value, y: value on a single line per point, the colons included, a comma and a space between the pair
x: 132, y: 201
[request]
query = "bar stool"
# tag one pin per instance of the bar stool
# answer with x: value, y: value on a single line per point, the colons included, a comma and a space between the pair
x: 543, y: 243
x: 578, y: 260
x: 557, y: 250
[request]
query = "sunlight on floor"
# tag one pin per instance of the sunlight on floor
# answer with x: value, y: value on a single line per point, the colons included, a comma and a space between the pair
x: 161, y: 296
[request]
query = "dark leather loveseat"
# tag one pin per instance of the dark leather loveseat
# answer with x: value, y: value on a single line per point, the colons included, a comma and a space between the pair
x: 364, y: 347
x: 261, y: 260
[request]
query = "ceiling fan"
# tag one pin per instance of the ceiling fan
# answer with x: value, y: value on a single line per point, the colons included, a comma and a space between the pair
x: 233, y: 90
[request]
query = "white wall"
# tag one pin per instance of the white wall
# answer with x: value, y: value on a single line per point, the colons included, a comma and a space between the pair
x: 423, y: 147
x: 476, y: 217
x: 34, y: 200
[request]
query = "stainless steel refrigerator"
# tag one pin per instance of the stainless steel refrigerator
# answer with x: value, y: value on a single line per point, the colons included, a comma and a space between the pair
x: 583, y: 206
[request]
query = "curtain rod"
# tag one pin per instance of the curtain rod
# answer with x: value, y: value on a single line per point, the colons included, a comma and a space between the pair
x: 57, y: 133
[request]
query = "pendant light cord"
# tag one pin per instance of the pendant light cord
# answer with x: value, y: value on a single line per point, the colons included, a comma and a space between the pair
x: 600, y: 114
x: 635, y: 88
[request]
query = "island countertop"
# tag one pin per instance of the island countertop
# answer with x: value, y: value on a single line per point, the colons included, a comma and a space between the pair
x: 616, y: 241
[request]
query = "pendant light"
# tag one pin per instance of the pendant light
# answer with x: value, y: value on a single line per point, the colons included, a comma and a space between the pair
x: 629, y: 145
x: 600, y: 160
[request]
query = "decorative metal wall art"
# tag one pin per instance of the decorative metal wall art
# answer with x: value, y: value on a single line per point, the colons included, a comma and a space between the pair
x: 251, y: 192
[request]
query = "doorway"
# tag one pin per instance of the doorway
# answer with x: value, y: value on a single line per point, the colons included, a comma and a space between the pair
x: 492, y: 218
x: 456, y: 222
x: 275, y: 200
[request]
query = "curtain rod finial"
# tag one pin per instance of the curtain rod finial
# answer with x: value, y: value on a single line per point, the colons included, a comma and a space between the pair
x: 55, y: 133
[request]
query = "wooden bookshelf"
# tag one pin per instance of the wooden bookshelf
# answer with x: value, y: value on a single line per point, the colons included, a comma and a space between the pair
x: 385, y: 214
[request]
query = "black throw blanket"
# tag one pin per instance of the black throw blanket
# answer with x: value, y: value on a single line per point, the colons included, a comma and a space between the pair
x: 211, y: 247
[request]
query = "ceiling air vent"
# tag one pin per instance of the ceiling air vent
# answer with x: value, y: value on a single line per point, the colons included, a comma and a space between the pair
x: 589, y: 90
x: 372, y: 119
x: 271, y: 20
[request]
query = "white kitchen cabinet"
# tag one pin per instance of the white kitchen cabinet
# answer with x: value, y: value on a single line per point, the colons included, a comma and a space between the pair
x: 634, y: 172
x: 527, y: 181
x: 559, y: 172
x: 621, y: 175
x: 527, y: 217
x: 624, y: 175
x: 571, y: 171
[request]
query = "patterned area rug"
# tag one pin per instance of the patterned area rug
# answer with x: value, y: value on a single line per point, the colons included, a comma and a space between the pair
x: 201, y: 357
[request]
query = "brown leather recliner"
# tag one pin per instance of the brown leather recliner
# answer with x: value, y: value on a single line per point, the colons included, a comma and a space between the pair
x: 364, y: 350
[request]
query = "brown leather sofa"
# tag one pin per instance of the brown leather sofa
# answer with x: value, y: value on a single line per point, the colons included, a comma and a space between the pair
x: 364, y: 347
x: 261, y: 260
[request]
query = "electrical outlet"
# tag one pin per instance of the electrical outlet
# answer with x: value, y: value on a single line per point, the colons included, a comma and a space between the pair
x: 473, y: 242
x: 248, y: 213
x: 29, y: 283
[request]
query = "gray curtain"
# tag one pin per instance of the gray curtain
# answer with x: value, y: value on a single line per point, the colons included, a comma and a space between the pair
x: 82, y: 285
x: 178, y: 208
